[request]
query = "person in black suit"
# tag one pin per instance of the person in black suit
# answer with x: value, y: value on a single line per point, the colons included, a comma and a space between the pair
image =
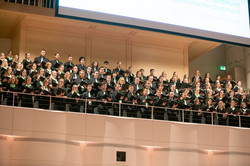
x: 136, y: 84
x: 27, y: 63
x: 68, y: 66
x: 82, y: 66
x: 152, y: 71
x: 144, y: 78
x: 27, y: 99
x: 131, y: 75
x: 197, y: 76
x: 74, y: 102
x: 94, y: 66
x: 41, y: 60
x: 88, y: 73
x: 106, y: 67
x: 90, y: 97
x: 104, y: 96
x: 60, y: 96
x: 55, y: 64
x: 118, y: 69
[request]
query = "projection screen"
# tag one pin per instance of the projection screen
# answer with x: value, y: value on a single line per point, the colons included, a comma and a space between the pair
x: 218, y: 20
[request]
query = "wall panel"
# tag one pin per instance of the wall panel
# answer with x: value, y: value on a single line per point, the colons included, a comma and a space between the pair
x: 66, y: 43
x: 43, y: 137
x: 110, y: 49
x: 160, y: 58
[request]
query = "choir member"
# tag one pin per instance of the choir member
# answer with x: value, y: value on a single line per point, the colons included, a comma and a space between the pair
x: 60, y: 96
x: 17, y: 70
x: 27, y: 99
x: 55, y: 64
x: 88, y: 74
x: 106, y: 67
x: 45, y: 92
x: 15, y: 61
x: 9, y: 57
x: 68, y: 66
x: 11, y: 88
x: 74, y: 102
x: 68, y: 82
x: 197, y: 76
x: 103, y: 95
x: 41, y: 60
x: 48, y: 70
x: 82, y: 66
x: 33, y: 71
x: 222, y: 113
x: 94, y: 66
x: 27, y: 63
x: 90, y: 97
x: 60, y: 72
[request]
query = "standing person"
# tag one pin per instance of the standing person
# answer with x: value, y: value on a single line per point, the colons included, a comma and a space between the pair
x: 15, y: 61
x: 119, y: 69
x: 9, y: 57
x: 27, y: 63
x: 27, y: 99
x: 106, y: 67
x: 82, y: 66
x: 74, y: 96
x: 60, y: 96
x: 55, y: 64
x: 41, y: 60
x: 197, y: 76
x: 44, y: 90
x: 68, y: 66
x: 94, y: 66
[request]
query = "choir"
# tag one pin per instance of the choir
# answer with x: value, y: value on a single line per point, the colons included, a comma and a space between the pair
x: 98, y: 89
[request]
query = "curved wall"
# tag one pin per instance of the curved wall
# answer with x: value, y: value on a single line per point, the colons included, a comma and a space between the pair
x: 39, y: 137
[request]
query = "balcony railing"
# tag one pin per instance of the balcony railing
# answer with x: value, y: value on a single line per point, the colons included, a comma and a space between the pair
x: 122, y: 109
x: 39, y: 3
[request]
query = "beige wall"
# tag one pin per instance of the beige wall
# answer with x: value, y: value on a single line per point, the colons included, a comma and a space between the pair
x: 5, y: 44
x: 38, y: 137
x: 98, y: 42
x: 209, y: 62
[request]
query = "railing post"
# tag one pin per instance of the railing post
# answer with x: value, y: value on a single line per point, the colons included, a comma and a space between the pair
x: 152, y: 112
x: 50, y: 102
x: 40, y: 3
x: 2, y: 99
x: 13, y: 101
x: 119, y: 109
x: 239, y: 121
x: 85, y: 107
x: 183, y: 115
x: 212, y: 118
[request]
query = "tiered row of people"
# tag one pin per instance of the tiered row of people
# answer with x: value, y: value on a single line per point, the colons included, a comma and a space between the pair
x: 70, y: 85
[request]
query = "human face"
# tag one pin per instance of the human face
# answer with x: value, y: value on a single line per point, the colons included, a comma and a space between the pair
x: 42, y: 53
x: 57, y: 56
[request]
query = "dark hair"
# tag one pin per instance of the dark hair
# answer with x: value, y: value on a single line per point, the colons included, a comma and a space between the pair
x: 81, y: 58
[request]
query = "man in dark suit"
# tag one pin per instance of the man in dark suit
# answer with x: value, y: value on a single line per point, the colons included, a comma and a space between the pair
x: 106, y: 67
x: 68, y: 66
x: 56, y: 63
x: 82, y: 66
x: 119, y: 69
x: 41, y: 60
